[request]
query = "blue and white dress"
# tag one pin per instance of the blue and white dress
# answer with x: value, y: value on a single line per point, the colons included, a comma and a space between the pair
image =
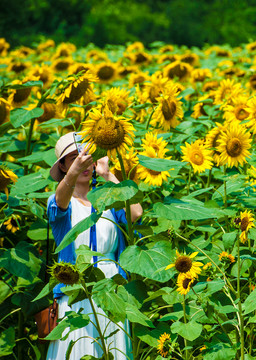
x: 119, y: 344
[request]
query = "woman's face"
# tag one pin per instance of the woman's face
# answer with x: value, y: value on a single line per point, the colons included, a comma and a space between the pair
x: 84, y: 176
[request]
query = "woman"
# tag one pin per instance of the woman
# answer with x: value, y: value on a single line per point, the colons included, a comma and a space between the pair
x: 66, y: 208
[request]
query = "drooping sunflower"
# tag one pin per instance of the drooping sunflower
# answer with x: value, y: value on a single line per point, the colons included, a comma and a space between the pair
x: 169, y: 110
x: 184, y: 264
x: 197, y: 155
x: 212, y: 141
x: 106, y: 72
x: 237, y: 111
x: 117, y: 99
x: 75, y: 88
x: 65, y: 273
x: 12, y: 224
x: 177, y: 69
x: 164, y: 346
x: 246, y: 223
x: 19, y: 97
x: 184, y: 283
x: 130, y: 161
x: 234, y: 145
x: 4, y: 111
x: 51, y: 111
x: 107, y: 131
x: 6, y: 176
x: 226, y: 258
x: 198, y: 109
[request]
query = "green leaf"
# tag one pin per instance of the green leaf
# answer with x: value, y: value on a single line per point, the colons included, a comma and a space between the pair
x: 7, y: 341
x: 46, y: 289
x: 21, y: 116
x: 136, y: 316
x: 77, y: 229
x: 27, y: 84
x: 181, y: 210
x: 232, y: 185
x: 229, y: 239
x: 5, y: 291
x: 245, y: 265
x: 224, y: 352
x: 29, y: 183
x: 105, y: 196
x: 151, y: 337
x: 159, y: 164
x: 189, y: 331
x: 250, y: 303
x: 150, y: 263
x: 38, y: 156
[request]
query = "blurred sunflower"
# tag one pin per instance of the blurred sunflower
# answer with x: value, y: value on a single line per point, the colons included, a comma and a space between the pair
x: 190, y: 58
x: 166, y: 48
x: 77, y: 67
x: 169, y: 109
x: 233, y: 146
x: 237, y: 111
x: 167, y: 58
x: 198, y: 109
x: 252, y: 82
x: 51, y: 111
x: 226, y: 258
x: 177, y: 69
x: 6, y: 176
x: 210, y: 85
x: 19, y: 97
x: 113, y: 133
x: 197, y: 155
x: 184, y: 264
x: 4, y: 46
x: 4, y: 111
x: 199, y: 75
x: 106, y: 72
x: 220, y: 52
x: 62, y: 64
x: 212, y: 141
x: 157, y: 143
x: 12, y: 224
x: 246, y: 223
x: 46, y: 45
x: 96, y: 55
x: 155, y: 86
x: 65, y: 273
x: 139, y: 57
x: 136, y: 46
x: 64, y: 50
x: 138, y: 77
x: 164, y: 346
x: 117, y: 99
x: 251, y: 109
x: 251, y: 47
x: 19, y: 66
x: 44, y: 73
x: 75, y: 87
x: 184, y: 283
x: 227, y: 91
x: 130, y: 161
x: 125, y: 70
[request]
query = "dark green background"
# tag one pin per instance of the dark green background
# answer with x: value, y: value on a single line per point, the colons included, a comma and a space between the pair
x: 181, y: 22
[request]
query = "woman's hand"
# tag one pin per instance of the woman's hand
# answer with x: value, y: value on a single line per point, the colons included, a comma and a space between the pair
x: 102, y: 167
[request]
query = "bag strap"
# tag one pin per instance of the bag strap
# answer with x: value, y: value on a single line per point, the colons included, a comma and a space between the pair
x: 93, y: 237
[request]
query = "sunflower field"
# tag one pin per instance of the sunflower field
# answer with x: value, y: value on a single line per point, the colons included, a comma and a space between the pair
x: 178, y: 126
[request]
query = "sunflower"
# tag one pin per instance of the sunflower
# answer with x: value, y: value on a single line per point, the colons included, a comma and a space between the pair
x: 233, y: 146
x: 212, y: 141
x: 226, y: 91
x: 155, y: 86
x: 226, y: 258
x: 251, y: 109
x: 65, y: 273
x: 96, y: 55
x: 77, y: 67
x: 12, y: 224
x: 168, y: 58
x: 237, y: 111
x: 199, y: 75
x: 158, y: 144
x: 184, y: 264
x: 177, y: 69
x: 106, y: 72
x: 4, y: 46
x: 51, y: 111
x: 117, y: 99
x: 46, y: 45
x: 19, y: 66
x: 164, y: 344
x: 246, y: 223
x: 64, y: 50
x: 75, y: 87
x: 166, y: 48
x: 197, y: 155
x: 251, y: 47
x: 198, y: 109
x: 19, y: 97
x: 138, y: 77
x: 210, y: 85
x: 113, y: 133
x: 190, y: 58
x: 6, y: 176
x: 252, y: 82
x: 221, y: 52
x: 139, y: 57
x: 251, y: 178
x: 169, y: 109
x: 62, y: 64
x: 136, y: 46
x: 130, y: 161
x: 124, y: 70
x: 44, y: 73
x: 4, y: 111
x: 184, y: 283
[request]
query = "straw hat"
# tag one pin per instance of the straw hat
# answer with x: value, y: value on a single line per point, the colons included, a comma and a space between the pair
x: 64, y: 146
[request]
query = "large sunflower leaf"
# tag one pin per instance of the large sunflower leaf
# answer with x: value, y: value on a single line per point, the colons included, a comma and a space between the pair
x: 189, y: 331
x: 150, y: 263
x: 107, y: 195
x: 77, y: 229
x: 29, y: 183
x: 159, y: 164
x: 21, y: 116
x: 7, y: 341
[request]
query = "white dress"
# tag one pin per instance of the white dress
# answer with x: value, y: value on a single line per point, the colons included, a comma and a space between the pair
x: 107, y: 242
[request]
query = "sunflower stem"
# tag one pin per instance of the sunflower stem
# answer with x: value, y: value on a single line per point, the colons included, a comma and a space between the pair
x: 28, y: 145
x: 127, y: 202
x: 241, y: 318
x: 106, y: 357
x: 149, y: 118
x: 225, y: 186
x: 185, y: 321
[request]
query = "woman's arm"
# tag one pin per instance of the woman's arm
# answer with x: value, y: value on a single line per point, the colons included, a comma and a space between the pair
x: 102, y: 169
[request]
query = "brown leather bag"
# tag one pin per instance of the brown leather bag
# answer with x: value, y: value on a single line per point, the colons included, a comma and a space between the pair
x: 46, y: 320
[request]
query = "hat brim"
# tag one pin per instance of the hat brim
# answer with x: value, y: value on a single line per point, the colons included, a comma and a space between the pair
x: 55, y: 171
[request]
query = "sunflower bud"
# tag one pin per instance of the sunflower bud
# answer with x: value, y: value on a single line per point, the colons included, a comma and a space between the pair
x: 65, y: 273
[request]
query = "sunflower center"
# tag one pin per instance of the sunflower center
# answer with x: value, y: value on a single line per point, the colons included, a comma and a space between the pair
x: 244, y: 223
x: 186, y: 283
x: 14, y: 222
x: 253, y: 81
x: 168, y: 109
x: 153, y: 94
x: 140, y: 58
x: 108, y: 133
x: 49, y: 112
x: 62, y: 65
x: 18, y: 68
x: 3, y: 112
x: 241, y: 113
x: 105, y: 73
x: 21, y: 95
x: 197, y: 157
x: 77, y: 92
x: 177, y: 70
x: 183, y: 264
x: 234, y: 147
